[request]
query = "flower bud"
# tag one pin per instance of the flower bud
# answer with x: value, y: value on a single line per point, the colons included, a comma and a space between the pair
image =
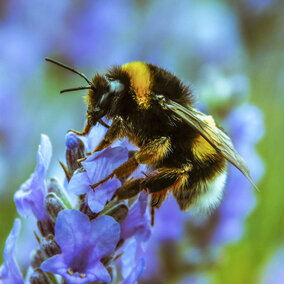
x: 39, y: 277
x: 119, y: 212
x: 53, y: 205
x: 49, y: 246
x: 84, y: 208
x: 74, y: 151
x: 37, y: 258
x: 46, y: 227
x: 54, y: 186
x: 106, y: 260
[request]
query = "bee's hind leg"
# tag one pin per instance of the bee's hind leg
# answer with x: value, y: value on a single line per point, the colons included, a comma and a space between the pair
x: 157, y: 184
x: 132, y: 188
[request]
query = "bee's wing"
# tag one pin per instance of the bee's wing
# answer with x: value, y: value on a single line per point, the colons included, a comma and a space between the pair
x: 215, y: 136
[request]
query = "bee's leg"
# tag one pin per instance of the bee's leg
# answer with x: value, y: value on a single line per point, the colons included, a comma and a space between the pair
x: 87, y: 128
x: 166, y: 179
x: 149, y: 154
x: 85, y: 131
x: 129, y: 189
x: 152, y: 216
x: 101, y: 122
x: 115, y: 130
x: 158, y: 183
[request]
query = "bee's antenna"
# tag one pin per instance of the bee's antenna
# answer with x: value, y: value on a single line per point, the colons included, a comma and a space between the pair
x: 74, y: 89
x: 69, y: 68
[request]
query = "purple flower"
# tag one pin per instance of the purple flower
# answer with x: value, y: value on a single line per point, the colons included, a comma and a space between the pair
x: 9, y: 271
x: 30, y: 197
x: 83, y: 244
x: 99, y: 166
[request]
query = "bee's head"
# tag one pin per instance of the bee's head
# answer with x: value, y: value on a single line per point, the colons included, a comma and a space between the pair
x: 101, y: 97
x: 104, y: 92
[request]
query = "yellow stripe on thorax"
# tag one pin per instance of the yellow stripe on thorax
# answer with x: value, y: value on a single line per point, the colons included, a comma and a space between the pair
x: 140, y: 82
x: 201, y: 148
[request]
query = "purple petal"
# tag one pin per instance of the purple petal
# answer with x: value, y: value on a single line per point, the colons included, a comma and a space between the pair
x: 83, y: 244
x: 44, y: 153
x: 138, y: 220
x: 124, y: 142
x: 128, y: 257
x: 101, y: 164
x: 30, y: 197
x: 106, y: 234
x: 79, y: 183
x: 24, y: 198
x: 10, y: 272
x: 69, y: 237
x: 95, y: 137
x: 57, y: 265
x: 98, y: 272
x: 98, y: 198
x: 133, y: 264
x: 139, y: 173
x: 136, y: 272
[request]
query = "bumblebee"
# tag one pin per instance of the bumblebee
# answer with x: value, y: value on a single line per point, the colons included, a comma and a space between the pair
x: 184, y: 149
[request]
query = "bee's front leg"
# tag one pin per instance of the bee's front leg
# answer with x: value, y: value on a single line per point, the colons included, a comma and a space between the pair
x: 85, y: 131
x: 115, y: 131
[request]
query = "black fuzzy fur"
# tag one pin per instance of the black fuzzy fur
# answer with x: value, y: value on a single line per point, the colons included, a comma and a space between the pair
x: 155, y: 122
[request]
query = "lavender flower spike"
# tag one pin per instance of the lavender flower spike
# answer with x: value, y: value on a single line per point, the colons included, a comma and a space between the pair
x: 9, y: 271
x: 30, y: 197
x: 83, y: 244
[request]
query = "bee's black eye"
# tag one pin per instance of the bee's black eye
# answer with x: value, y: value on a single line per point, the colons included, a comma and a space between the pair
x: 103, y: 102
